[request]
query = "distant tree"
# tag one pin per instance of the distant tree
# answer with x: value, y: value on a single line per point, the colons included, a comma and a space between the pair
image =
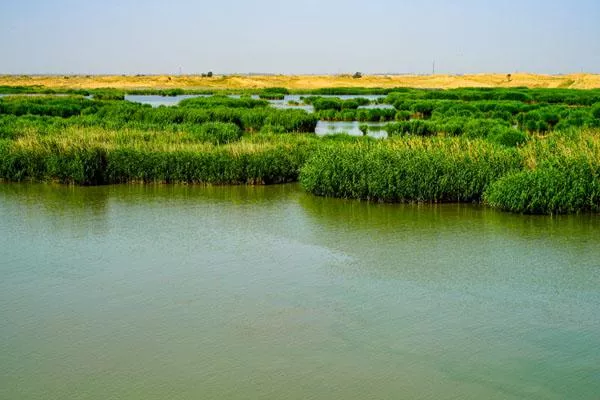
x: 209, y: 74
x: 509, y: 77
x: 357, y: 75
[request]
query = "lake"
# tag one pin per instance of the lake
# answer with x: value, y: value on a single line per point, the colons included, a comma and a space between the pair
x: 351, y: 128
x: 156, y: 100
x: 190, y: 292
x: 323, y: 127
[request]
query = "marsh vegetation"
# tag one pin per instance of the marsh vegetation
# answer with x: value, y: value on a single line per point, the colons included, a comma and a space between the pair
x: 521, y: 150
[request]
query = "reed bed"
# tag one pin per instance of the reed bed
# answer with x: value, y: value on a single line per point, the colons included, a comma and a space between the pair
x: 520, y: 150
x: 561, y: 175
x: 94, y: 156
x: 408, y: 170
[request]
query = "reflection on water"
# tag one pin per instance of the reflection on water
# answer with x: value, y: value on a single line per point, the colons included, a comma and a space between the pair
x: 185, y: 292
x: 380, y: 106
x: 493, y: 238
x: 49, y: 208
x: 351, y: 128
x: 323, y: 127
x: 156, y: 101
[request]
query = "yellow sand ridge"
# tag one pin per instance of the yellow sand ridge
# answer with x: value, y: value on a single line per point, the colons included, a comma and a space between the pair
x: 571, y: 81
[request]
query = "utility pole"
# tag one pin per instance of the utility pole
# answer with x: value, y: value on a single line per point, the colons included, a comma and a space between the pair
x: 433, y: 69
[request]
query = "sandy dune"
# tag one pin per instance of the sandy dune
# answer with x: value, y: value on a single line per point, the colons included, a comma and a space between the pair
x: 574, y: 81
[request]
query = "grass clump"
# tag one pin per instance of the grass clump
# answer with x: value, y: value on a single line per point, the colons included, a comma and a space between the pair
x: 275, y: 93
x: 596, y: 111
x: 411, y: 170
x: 57, y: 106
x: 528, y: 151
x: 562, y: 175
x: 508, y: 137
x: 218, y: 132
x: 571, y: 187
x: 222, y: 101
x: 94, y: 156
x: 108, y: 94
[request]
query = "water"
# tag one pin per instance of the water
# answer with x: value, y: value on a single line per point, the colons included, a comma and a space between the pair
x: 381, y: 106
x: 323, y: 127
x: 351, y: 128
x: 155, y: 100
x: 184, y: 292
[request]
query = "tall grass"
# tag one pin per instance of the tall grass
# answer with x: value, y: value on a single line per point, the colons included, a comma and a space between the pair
x: 218, y: 132
x: 362, y: 115
x: 97, y: 156
x: 415, y: 169
x: 521, y: 150
x: 78, y: 111
x: 497, y: 131
x: 59, y: 106
x: 275, y: 93
x: 562, y: 175
x: 223, y: 101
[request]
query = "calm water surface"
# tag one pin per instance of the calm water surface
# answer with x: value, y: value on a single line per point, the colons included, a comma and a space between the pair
x: 183, y: 292
x: 156, y: 100
x: 351, y: 128
x: 323, y: 127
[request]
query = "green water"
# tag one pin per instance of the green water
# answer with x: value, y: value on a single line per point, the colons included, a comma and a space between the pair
x: 162, y: 292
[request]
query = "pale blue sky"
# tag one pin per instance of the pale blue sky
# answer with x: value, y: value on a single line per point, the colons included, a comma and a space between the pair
x: 303, y: 36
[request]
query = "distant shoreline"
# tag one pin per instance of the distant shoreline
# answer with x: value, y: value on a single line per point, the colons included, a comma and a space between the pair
x: 250, y: 81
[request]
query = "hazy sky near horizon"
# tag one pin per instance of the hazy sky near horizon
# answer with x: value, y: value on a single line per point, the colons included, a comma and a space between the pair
x: 302, y: 36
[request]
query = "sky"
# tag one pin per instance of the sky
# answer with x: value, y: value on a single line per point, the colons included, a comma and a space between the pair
x: 301, y: 36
